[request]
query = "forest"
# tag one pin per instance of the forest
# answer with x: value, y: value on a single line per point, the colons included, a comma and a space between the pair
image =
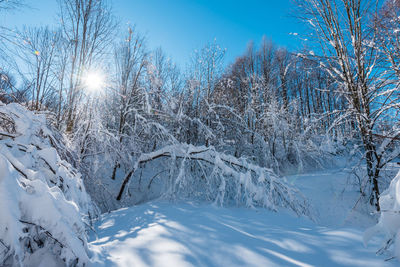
x: 93, y: 120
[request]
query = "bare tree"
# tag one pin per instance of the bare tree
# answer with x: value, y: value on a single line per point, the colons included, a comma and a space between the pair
x: 205, y: 72
x: 130, y: 62
x: 39, y: 52
x: 88, y: 28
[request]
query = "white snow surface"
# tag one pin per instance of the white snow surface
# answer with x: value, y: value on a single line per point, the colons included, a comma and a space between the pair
x: 192, y: 234
x: 162, y: 233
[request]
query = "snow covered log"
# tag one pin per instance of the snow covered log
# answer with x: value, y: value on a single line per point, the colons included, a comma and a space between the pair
x: 226, y: 178
x: 42, y: 197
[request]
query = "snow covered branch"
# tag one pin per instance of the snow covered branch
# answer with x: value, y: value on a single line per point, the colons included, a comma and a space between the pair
x: 228, y: 179
x: 42, y: 197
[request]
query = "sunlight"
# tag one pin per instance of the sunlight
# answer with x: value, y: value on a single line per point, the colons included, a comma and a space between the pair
x: 94, y: 81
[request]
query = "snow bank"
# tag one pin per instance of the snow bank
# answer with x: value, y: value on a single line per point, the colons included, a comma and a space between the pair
x: 42, y: 197
x: 389, y: 221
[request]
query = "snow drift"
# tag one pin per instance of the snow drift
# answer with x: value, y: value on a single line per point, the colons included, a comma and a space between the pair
x: 42, y: 197
x: 389, y: 221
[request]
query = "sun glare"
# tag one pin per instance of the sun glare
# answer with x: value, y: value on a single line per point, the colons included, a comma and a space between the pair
x: 94, y: 81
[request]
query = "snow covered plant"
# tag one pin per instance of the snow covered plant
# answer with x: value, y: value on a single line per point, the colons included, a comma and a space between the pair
x: 389, y: 221
x: 200, y: 171
x: 42, y: 197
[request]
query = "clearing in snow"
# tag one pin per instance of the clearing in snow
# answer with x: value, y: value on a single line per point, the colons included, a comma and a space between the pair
x: 162, y: 233
x: 189, y: 234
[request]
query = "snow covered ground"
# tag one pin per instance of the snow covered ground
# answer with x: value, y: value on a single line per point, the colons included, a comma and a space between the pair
x: 333, y: 198
x: 197, y: 234
x: 187, y: 234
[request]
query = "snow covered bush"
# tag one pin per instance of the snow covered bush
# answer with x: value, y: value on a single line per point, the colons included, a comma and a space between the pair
x: 202, y: 172
x: 389, y: 221
x: 42, y: 197
x: 139, y: 157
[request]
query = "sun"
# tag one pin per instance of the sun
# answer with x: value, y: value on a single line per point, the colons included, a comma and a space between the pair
x: 94, y: 81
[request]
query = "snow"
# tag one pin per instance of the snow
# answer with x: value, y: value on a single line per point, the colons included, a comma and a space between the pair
x: 42, y: 258
x: 195, y: 234
x: 389, y: 221
x: 185, y: 233
x: 230, y: 180
x: 42, y: 197
x: 332, y: 197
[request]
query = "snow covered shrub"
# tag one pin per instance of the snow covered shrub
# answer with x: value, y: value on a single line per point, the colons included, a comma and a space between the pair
x: 42, y: 197
x: 204, y: 173
x: 151, y: 160
x: 389, y: 221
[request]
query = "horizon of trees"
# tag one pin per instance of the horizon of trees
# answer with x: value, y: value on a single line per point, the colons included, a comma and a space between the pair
x: 274, y: 108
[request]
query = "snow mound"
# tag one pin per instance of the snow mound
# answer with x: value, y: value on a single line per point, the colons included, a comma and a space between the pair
x: 389, y: 221
x: 42, y: 197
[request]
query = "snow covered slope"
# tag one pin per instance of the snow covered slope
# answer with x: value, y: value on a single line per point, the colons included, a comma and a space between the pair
x: 42, y: 197
x: 187, y: 234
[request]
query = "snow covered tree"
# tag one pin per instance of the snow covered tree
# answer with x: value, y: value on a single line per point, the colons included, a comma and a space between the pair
x: 221, y: 178
x: 350, y: 55
x: 205, y: 72
x: 128, y: 94
x: 43, y: 202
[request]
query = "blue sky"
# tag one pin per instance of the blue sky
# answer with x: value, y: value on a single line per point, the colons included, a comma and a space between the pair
x: 180, y: 26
